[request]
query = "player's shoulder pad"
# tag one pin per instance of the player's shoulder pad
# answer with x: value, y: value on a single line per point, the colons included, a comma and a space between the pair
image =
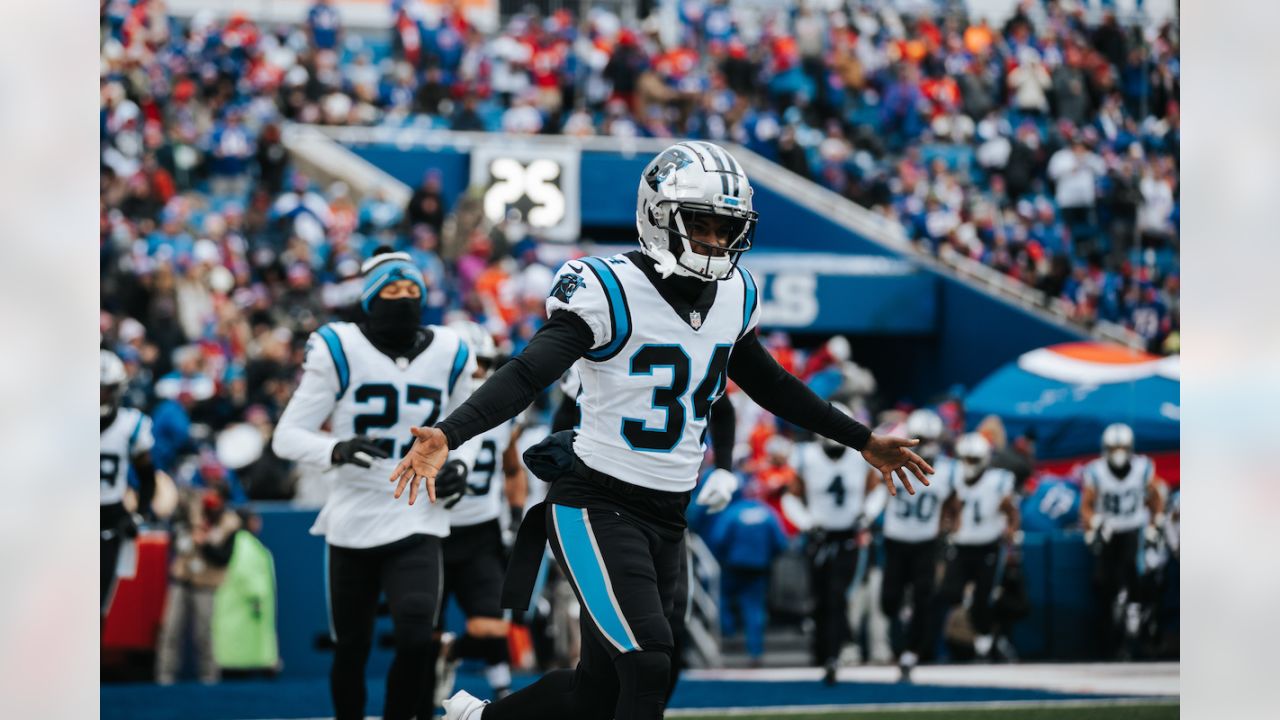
x: 750, y: 302
x: 1008, y: 481
x: 462, y: 355
x: 1148, y: 467
x: 590, y: 287
x: 327, y: 340
x: 1091, y: 471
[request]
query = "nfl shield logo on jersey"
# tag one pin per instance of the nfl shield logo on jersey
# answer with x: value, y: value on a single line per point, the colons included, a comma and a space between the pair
x: 695, y: 319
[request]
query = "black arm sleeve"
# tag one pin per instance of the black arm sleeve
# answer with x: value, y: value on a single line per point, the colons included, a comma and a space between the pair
x: 781, y: 393
x: 723, y: 421
x: 551, y: 351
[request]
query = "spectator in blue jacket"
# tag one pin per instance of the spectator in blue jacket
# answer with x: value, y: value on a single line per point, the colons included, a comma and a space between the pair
x: 745, y: 538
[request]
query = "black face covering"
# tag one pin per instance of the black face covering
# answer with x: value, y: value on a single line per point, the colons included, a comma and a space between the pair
x: 393, y: 324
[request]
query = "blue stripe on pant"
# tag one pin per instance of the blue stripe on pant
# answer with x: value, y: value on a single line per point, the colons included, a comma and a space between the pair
x: 590, y: 576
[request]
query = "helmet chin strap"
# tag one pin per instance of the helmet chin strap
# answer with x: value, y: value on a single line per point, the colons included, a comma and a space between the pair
x: 664, y: 262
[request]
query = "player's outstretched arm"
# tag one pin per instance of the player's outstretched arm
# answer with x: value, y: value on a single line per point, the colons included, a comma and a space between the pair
x: 551, y: 351
x: 781, y: 393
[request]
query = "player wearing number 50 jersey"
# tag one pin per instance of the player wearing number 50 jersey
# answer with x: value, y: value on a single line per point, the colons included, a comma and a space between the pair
x: 912, y: 524
x: 372, y: 381
x: 660, y: 331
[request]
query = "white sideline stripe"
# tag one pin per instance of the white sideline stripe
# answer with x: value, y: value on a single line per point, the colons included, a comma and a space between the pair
x: 1146, y: 679
x: 783, y: 710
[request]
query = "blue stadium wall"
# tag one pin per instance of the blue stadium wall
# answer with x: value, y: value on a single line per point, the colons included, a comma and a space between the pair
x: 921, y: 333
x: 1063, y: 623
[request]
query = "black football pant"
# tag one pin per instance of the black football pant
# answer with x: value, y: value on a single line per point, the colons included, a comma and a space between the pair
x: 473, y: 571
x: 628, y: 579
x: 972, y: 564
x: 409, y: 572
x: 911, y: 565
x: 833, y: 558
x: 110, y: 520
x: 1117, y: 570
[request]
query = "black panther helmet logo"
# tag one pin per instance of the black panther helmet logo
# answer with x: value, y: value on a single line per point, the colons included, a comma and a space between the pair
x: 567, y: 285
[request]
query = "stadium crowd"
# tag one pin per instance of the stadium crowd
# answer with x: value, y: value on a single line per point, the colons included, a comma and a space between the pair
x: 1046, y: 148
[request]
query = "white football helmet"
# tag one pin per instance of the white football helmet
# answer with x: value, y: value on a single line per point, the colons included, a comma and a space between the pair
x: 831, y: 445
x: 1117, y: 444
x: 686, y: 179
x: 974, y: 451
x: 926, y: 425
x: 111, y: 380
x: 480, y: 342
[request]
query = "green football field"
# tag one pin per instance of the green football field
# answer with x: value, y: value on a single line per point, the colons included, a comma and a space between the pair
x: 1167, y: 711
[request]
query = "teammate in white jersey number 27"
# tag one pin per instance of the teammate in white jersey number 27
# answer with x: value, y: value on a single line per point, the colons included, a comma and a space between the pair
x: 371, y: 381
x: 659, y: 331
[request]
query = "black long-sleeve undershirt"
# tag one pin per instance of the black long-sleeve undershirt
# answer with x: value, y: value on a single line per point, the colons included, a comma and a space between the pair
x: 566, y: 337
x: 784, y: 395
x: 721, y: 426
x: 551, y: 351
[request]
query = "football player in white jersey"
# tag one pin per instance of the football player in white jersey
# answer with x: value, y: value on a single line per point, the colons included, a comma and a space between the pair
x: 125, y: 442
x: 912, y: 526
x: 661, y: 330
x: 372, y: 381
x: 1122, y: 496
x: 831, y: 483
x: 474, y: 561
x: 988, y: 515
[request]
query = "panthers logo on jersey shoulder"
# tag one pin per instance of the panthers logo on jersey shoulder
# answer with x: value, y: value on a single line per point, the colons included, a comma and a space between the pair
x: 567, y: 285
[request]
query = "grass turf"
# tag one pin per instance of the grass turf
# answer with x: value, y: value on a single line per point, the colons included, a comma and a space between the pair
x: 1167, y: 711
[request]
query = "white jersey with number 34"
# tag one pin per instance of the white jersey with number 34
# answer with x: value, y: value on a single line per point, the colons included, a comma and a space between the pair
x: 650, y: 379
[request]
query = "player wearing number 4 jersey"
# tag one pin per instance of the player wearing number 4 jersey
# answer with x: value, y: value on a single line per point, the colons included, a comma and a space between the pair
x: 372, y: 381
x: 835, y: 517
x: 659, y: 331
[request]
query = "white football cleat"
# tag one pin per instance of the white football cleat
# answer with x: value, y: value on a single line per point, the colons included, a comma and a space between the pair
x: 446, y: 668
x: 982, y: 645
x: 463, y: 706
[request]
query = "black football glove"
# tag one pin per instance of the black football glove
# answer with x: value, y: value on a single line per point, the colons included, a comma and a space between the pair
x: 451, y: 483
x: 359, y: 450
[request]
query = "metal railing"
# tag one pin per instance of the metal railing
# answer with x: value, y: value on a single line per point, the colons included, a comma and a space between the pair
x: 703, y: 621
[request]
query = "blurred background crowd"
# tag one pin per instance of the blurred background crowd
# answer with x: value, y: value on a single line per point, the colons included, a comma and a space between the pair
x: 1045, y: 147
